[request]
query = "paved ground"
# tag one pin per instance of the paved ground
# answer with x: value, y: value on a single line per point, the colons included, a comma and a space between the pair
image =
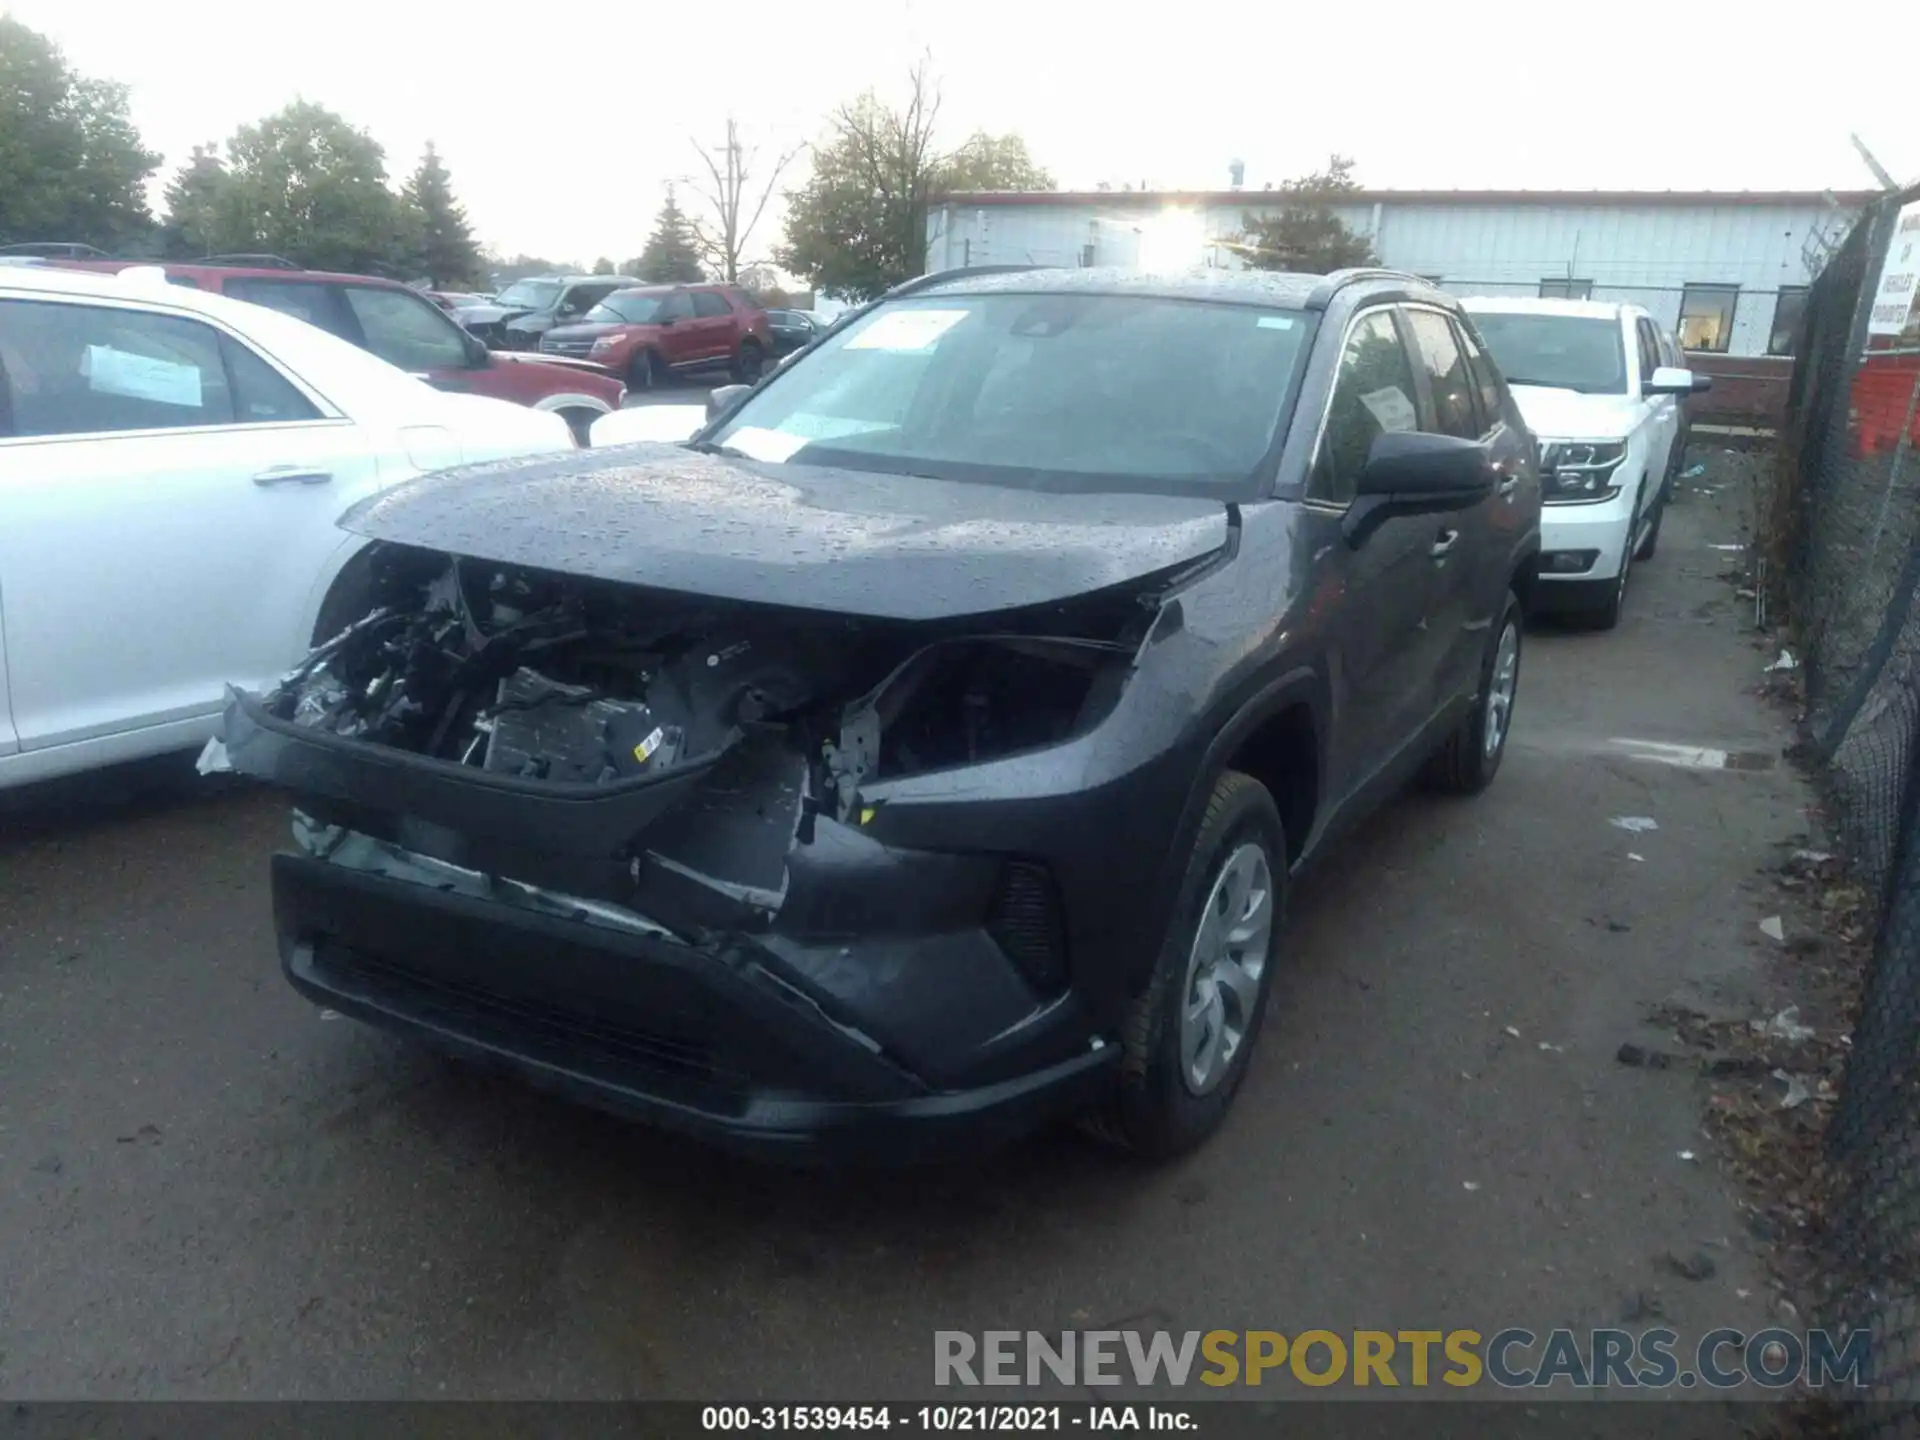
x: 209, y: 1189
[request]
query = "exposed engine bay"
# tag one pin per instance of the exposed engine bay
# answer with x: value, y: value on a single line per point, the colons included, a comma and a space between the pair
x: 556, y: 681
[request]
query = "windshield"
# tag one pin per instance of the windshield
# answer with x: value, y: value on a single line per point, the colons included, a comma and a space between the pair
x: 1070, y: 392
x: 534, y: 294
x: 626, y: 310
x: 1574, y: 352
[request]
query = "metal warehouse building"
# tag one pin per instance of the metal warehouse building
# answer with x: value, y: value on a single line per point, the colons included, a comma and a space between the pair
x: 1726, y: 271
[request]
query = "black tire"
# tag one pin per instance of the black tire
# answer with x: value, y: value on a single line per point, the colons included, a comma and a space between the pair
x: 1463, y: 765
x: 748, y: 361
x: 1156, y: 1113
x: 644, y: 372
x: 1650, y: 542
x: 581, y: 423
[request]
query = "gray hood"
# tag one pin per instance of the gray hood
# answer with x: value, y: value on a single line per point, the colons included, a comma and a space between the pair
x: 885, y: 546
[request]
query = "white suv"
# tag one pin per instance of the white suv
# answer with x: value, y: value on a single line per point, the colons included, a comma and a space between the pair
x: 171, y: 467
x: 1593, y: 385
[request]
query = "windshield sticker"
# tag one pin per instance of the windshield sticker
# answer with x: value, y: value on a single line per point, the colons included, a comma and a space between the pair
x: 910, y: 331
x: 1391, y: 407
x: 140, y: 377
x: 771, y: 446
x: 1275, y: 322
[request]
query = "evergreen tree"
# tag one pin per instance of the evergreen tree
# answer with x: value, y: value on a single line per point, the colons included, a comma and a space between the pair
x: 672, y: 256
x: 448, y: 254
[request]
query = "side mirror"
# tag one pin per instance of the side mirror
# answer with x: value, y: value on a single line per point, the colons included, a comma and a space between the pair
x: 1672, y: 380
x: 1410, y: 472
x: 478, y: 356
x: 724, y: 398
x: 663, y: 320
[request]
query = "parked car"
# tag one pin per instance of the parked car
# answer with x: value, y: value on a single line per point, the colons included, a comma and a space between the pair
x: 454, y: 301
x: 924, y: 749
x: 171, y: 467
x: 519, y: 315
x: 650, y: 332
x: 1604, y: 402
x: 792, y: 329
x: 404, y: 328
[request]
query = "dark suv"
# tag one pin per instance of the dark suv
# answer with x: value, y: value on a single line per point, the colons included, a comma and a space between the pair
x: 519, y: 315
x: 925, y: 748
x: 653, y: 331
x: 404, y: 328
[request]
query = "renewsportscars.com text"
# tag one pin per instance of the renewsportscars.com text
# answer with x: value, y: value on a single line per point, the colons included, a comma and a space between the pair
x: 1511, y: 1358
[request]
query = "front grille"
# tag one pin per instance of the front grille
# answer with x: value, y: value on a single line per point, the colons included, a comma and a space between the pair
x: 598, y: 1046
x: 578, y: 348
x: 1026, y: 922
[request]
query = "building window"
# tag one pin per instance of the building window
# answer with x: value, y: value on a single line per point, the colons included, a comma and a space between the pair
x: 1566, y: 289
x: 1787, y: 310
x: 1706, y: 317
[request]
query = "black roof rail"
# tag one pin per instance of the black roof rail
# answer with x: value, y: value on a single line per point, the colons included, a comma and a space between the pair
x: 255, y: 262
x: 1324, y: 292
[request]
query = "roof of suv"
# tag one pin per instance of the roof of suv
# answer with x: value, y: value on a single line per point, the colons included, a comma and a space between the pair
x: 1278, y: 288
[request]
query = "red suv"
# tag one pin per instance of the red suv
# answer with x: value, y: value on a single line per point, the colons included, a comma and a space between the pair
x: 405, y: 328
x: 652, y: 331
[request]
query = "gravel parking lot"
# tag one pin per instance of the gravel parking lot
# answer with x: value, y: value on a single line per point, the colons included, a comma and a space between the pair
x: 210, y: 1189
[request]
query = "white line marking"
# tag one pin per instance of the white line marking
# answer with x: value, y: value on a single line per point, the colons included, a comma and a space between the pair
x: 1688, y: 757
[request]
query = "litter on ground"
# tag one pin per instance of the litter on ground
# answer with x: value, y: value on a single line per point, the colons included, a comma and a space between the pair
x: 1772, y: 928
x: 1784, y: 1026
x: 1797, y: 1092
x: 1785, y: 662
x: 1635, y: 824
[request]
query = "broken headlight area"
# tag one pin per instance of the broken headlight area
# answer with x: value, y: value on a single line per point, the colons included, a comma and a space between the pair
x: 587, y: 686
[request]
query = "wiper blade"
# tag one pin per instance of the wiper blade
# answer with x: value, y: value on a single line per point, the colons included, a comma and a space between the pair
x: 714, y: 447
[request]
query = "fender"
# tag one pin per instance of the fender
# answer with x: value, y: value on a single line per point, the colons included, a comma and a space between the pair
x: 1297, y: 684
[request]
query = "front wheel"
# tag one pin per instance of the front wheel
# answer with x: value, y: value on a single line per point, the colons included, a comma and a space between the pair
x: 1471, y: 757
x: 643, y: 372
x: 1191, y: 1032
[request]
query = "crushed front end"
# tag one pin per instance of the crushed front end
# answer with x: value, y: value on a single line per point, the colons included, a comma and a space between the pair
x: 664, y: 852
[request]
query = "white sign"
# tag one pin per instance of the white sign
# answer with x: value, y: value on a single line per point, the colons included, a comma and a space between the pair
x: 141, y: 377
x: 1894, y: 310
x: 906, y: 329
x: 1391, y: 408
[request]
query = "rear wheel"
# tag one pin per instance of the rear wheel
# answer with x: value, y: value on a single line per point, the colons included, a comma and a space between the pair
x: 1191, y: 1032
x: 1470, y: 759
x: 748, y: 361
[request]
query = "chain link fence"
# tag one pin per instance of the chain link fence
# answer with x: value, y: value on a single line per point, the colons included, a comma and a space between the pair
x: 1841, y: 552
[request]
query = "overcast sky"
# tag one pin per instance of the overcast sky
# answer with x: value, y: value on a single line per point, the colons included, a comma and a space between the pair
x: 562, y: 125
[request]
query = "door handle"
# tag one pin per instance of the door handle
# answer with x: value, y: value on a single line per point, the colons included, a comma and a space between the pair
x: 1448, y: 539
x: 1508, y: 484
x: 292, y: 475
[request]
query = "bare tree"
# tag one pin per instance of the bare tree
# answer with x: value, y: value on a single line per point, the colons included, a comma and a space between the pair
x: 859, y: 224
x: 736, y: 191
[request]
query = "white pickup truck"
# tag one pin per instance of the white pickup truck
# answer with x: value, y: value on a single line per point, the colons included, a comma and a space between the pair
x: 1596, y: 386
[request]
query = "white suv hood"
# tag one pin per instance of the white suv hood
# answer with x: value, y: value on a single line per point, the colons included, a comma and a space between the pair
x: 1555, y: 414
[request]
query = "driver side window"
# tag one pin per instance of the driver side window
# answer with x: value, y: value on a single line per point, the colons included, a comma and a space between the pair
x: 405, y: 330
x: 1373, y: 393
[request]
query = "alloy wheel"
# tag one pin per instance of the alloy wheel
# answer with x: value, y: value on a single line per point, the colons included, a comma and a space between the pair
x: 1501, y: 689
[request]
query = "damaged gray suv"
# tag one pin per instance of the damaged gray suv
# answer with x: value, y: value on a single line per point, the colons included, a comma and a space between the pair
x: 921, y: 752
